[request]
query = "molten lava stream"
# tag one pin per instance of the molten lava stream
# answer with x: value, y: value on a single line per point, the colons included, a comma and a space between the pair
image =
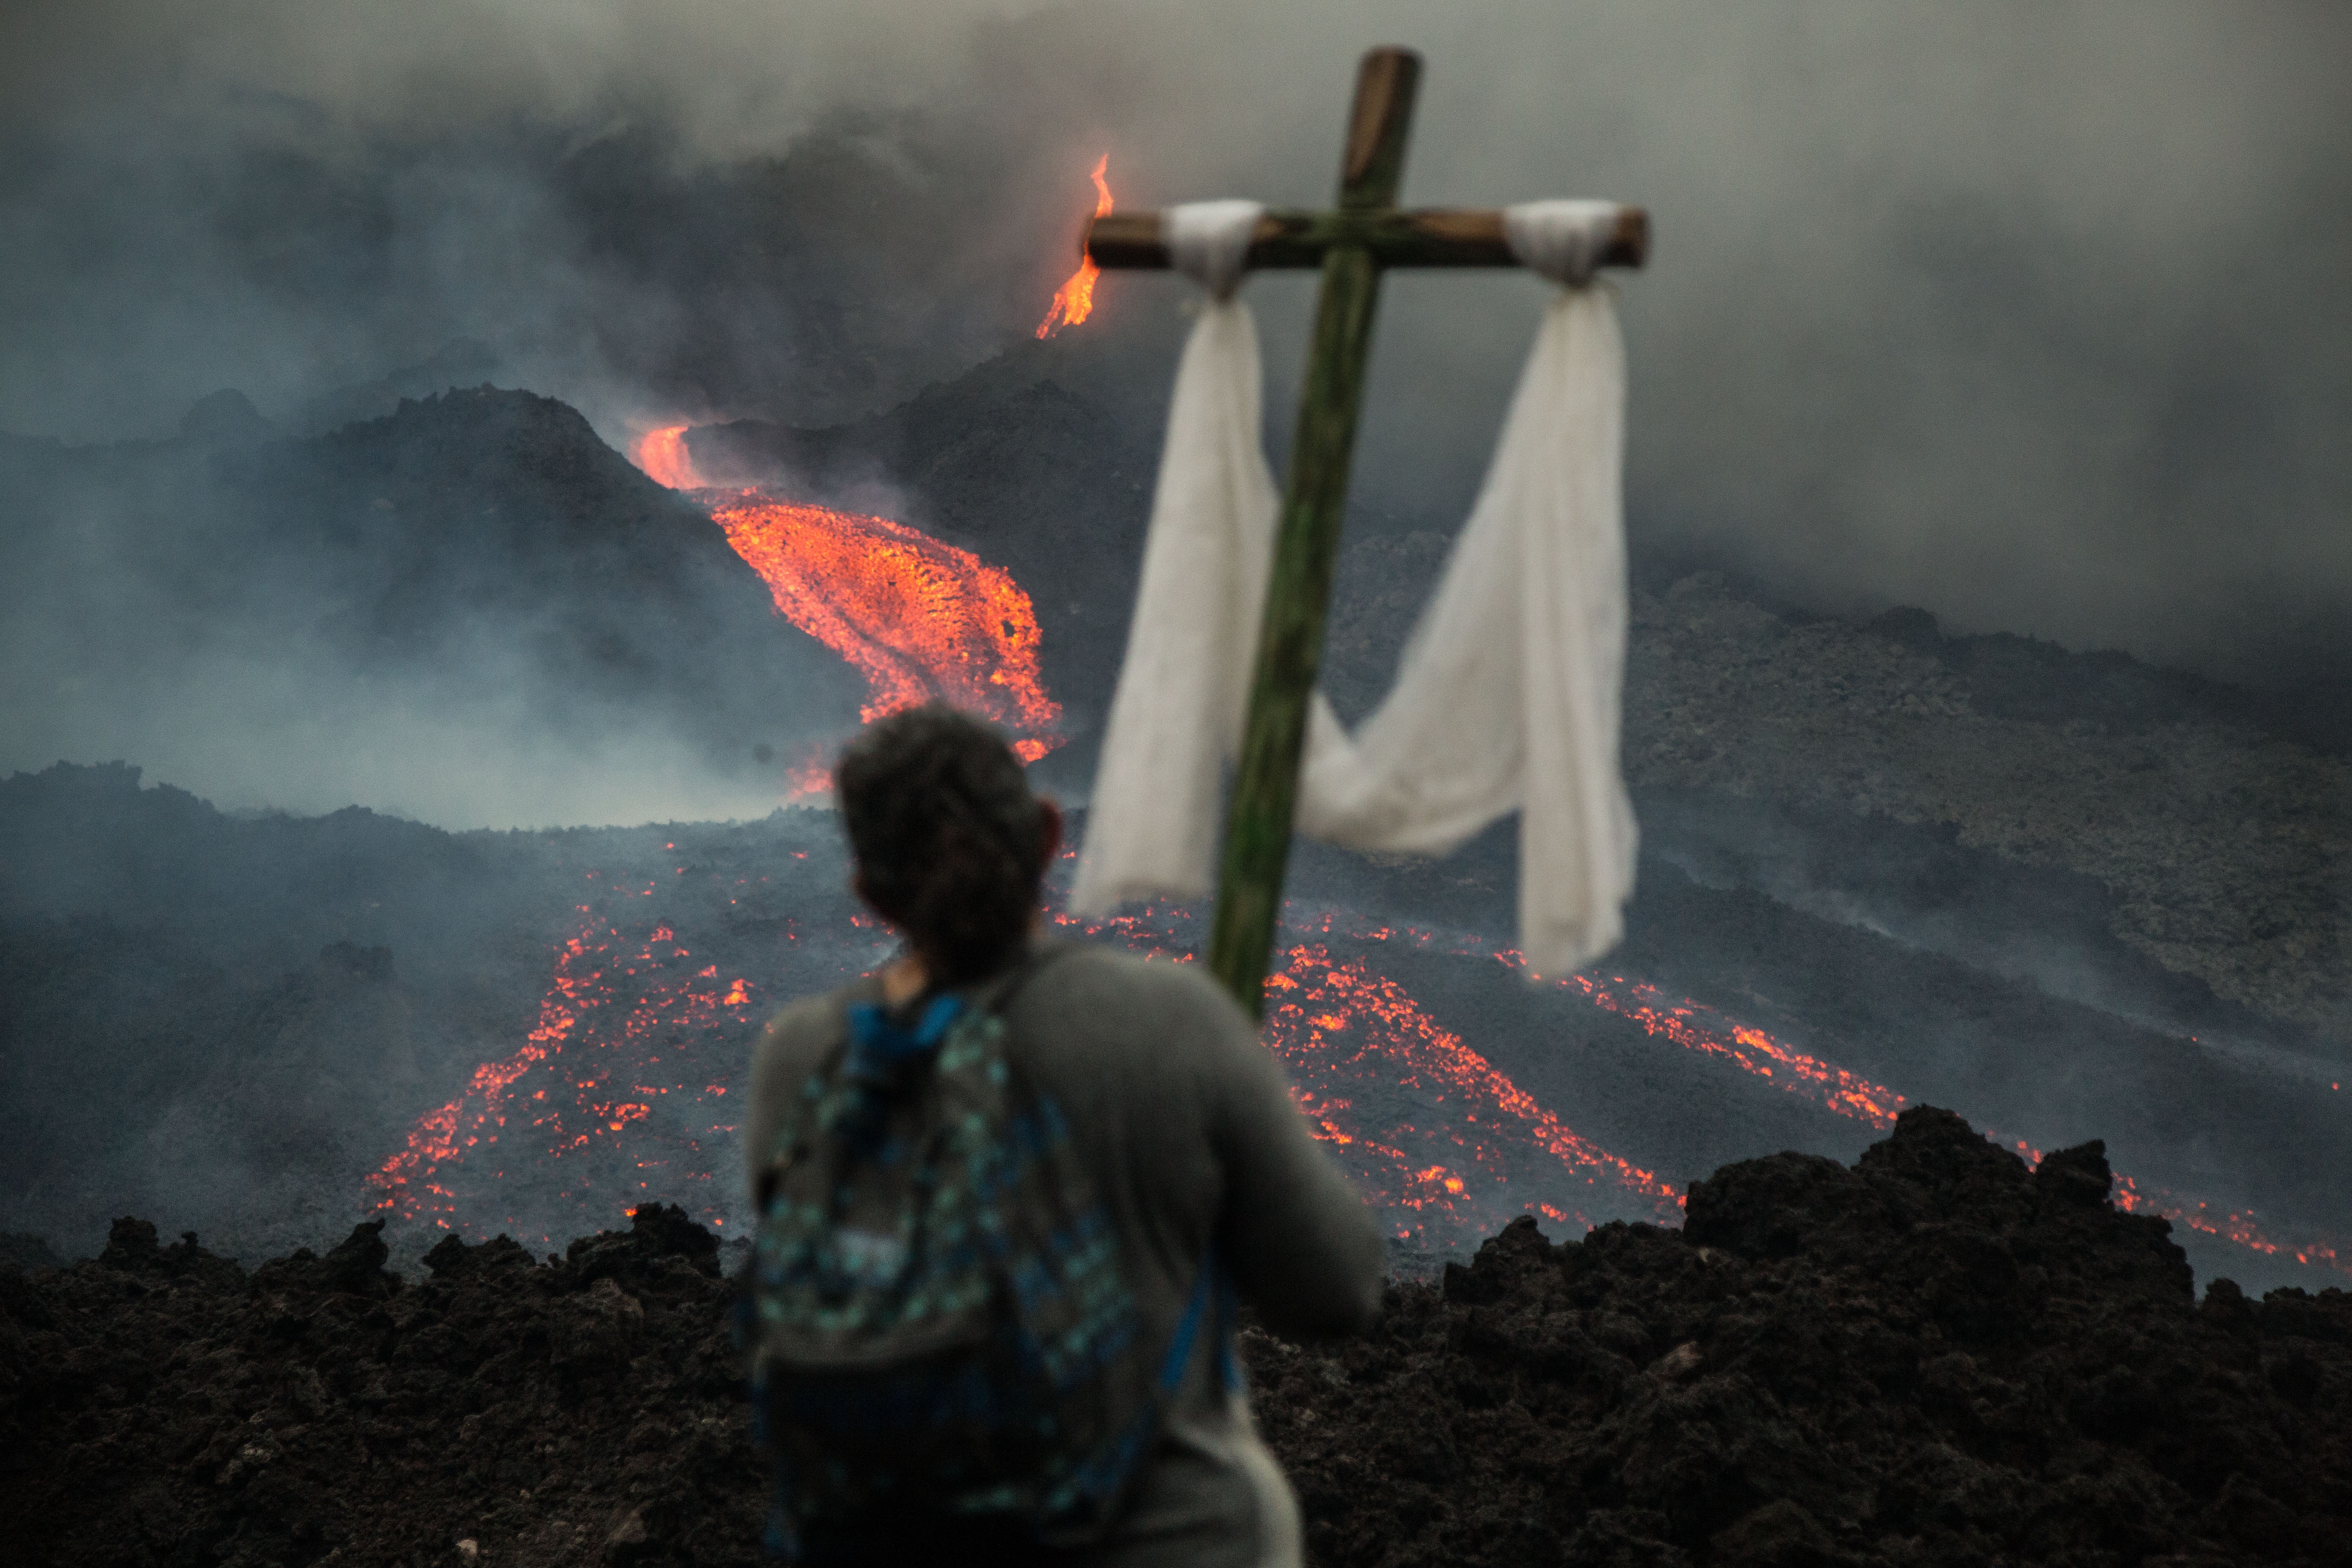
x: 619, y: 1093
x: 663, y: 456
x: 1696, y: 1027
x: 1490, y: 1153
x: 917, y: 617
x: 1073, y: 301
x: 1434, y: 1134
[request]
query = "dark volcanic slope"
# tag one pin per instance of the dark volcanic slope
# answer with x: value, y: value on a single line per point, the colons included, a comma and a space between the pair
x: 480, y: 546
x: 225, y: 1024
x: 1930, y: 1358
x: 229, y: 1021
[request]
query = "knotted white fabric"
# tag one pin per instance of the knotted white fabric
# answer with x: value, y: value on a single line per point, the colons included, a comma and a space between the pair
x: 1508, y: 692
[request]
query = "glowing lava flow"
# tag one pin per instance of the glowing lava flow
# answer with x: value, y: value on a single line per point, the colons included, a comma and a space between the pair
x: 919, y: 618
x: 663, y: 456
x: 1343, y: 1030
x: 1836, y: 1090
x: 1752, y: 1050
x: 1075, y: 299
x: 1432, y: 1130
x: 1687, y: 1024
x: 578, y: 1113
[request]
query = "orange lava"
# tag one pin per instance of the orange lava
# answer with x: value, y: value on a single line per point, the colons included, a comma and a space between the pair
x: 808, y: 779
x: 1491, y: 1152
x: 1696, y: 1027
x: 583, y: 1085
x: 1752, y: 1050
x: 1431, y: 1130
x: 662, y: 455
x: 1834, y: 1089
x: 919, y: 618
x: 2230, y: 1225
x: 1075, y: 299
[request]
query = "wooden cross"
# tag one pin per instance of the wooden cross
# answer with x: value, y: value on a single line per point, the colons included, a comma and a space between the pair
x: 1352, y: 245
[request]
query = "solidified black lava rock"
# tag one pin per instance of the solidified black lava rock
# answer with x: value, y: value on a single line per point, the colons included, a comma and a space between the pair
x: 1937, y: 1356
x: 157, y: 1406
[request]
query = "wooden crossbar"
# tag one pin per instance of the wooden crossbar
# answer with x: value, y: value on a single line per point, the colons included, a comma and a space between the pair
x: 1302, y: 237
x: 1353, y: 244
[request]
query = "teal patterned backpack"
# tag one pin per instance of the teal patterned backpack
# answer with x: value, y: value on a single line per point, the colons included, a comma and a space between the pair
x: 941, y: 1318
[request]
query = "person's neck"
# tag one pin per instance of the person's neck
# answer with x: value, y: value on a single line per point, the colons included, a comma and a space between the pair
x: 903, y: 979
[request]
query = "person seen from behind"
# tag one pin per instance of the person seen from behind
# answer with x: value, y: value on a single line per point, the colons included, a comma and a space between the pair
x: 1011, y: 1189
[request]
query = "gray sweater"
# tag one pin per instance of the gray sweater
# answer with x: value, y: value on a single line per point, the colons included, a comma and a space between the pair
x: 1188, y: 1124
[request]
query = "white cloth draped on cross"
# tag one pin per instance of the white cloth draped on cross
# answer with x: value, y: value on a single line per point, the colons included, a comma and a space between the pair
x: 1509, y: 692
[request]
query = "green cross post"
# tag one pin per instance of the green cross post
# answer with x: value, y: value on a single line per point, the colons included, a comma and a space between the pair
x: 1352, y: 244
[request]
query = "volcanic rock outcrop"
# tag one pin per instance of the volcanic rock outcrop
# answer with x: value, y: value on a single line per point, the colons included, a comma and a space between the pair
x: 161, y: 1407
x: 1934, y: 1356
x: 1937, y: 1356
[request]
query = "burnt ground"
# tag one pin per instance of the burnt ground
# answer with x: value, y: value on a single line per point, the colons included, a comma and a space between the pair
x: 1934, y: 1356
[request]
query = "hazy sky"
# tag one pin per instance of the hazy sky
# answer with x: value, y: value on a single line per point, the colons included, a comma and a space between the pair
x: 2034, y: 314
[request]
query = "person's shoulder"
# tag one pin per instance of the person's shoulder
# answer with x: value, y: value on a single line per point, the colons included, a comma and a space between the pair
x: 1095, y: 974
x: 809, y: 1026
x: 1100, y: 964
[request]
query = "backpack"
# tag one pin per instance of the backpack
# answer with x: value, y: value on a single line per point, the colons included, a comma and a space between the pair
x: 942, y: 1320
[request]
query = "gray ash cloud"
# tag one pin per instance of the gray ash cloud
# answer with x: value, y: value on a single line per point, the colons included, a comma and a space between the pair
x: 2035, y: 319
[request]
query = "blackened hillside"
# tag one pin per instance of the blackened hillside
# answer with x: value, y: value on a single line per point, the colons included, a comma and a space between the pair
x: 481, y: 546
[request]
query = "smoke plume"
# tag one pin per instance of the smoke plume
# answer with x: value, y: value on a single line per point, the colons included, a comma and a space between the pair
x: 2033, y: 316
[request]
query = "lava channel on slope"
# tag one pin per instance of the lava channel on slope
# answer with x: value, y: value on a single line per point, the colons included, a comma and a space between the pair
x: 619, y: 1091
x: 920, y: 618
x: 917, y: 617
x: 628, y: 1088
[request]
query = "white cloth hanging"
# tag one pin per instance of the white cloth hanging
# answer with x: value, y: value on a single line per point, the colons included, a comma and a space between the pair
x: 1176, y: 717
x: 1509, y: 690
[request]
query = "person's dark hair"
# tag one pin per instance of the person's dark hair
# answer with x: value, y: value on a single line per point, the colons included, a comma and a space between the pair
x: 948, y: 839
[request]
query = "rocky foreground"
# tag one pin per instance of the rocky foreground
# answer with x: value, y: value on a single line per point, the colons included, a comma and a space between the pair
x: 1935, y: 1356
